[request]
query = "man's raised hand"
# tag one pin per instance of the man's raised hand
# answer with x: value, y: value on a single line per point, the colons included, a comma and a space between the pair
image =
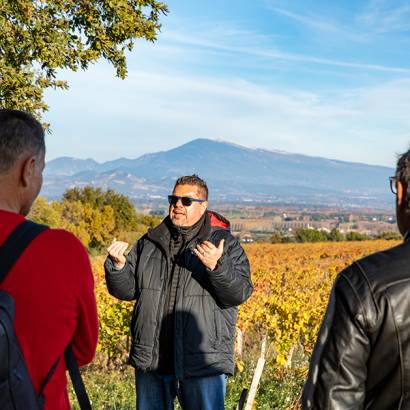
x: 209, y: 254
x: 116, y: 251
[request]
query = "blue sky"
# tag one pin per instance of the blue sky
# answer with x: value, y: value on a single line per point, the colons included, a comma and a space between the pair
x: 323, y: 78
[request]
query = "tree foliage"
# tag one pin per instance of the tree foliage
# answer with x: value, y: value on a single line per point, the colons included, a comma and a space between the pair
x: 310, y: 235
x: 44, y: 213
x: 335, y: 235
x: 389, y: 236
x: 313, y: 235
x: 95, y: 216
x: 38, y: 37
x: 93, y: 226
x: 357, y: 236
x: 125, y: 217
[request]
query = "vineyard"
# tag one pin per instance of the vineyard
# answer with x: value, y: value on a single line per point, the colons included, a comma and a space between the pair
x: 291, y: 287
x: 292, y: 283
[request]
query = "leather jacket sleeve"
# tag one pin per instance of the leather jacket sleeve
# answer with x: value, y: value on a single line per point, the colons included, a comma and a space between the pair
x: 338, y: 370
x: 121, y: 283
x: 231, y: 279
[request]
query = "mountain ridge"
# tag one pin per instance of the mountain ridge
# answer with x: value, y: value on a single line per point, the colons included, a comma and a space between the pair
x: 231, y: 171
x: 274, y: 151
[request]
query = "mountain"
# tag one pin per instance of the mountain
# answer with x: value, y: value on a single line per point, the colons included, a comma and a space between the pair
x: 69, y: 166
x: 233, y: 173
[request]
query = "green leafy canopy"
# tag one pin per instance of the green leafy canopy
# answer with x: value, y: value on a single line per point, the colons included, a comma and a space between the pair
x: 38, y: 37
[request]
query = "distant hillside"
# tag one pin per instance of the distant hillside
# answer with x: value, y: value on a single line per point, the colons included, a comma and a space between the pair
x: 233, y: 173
x: 70, y: 166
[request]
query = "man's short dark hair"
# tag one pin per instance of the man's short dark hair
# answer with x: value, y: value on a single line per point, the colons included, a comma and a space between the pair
x: 194, y: 180
x: 403, y: 175
x: 20, y: 132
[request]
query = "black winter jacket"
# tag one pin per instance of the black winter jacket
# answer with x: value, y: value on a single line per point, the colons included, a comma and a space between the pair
x: 206, y: 301
x: 362, y: 355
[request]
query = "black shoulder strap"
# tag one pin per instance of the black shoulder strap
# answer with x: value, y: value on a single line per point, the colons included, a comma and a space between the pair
x: 50, y: 373
x: 76, y: 379
x: 10, y: 251
x: 16, y: 243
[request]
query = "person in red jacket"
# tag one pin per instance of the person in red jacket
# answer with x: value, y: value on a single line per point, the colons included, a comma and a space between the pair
x: 52, y: 282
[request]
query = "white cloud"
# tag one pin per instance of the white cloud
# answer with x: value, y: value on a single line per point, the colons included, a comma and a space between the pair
x: 267, y: 52
x: 383, y: 16
x: 377, y: 17
x: 312, y: 20
x: 159, y: 111
x: 181, y: 89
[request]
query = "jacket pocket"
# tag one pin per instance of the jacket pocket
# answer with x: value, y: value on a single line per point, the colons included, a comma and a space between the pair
x: 144, y: 321
x: 134, y: 320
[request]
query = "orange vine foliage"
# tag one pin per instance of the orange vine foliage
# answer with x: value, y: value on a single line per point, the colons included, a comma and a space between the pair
x: 292, y: 284
x: 291, y: 287
x: 114, y: 316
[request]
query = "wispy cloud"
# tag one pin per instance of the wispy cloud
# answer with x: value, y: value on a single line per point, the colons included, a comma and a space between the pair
x: 246, y: 84
x: 377, y: 17
x: 383, y: 16
x: 275, y: 54
x: 318, y: 22
x: 309, y: 19
x: 159, y: 111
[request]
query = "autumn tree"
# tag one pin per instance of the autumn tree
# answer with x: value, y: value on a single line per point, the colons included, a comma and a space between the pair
x: 39, y: 37
x: 125, y: 215
x: 95, y: 216
x: 335, y: 235
x: 310, y: 235
x: 357, y: 236
x: 94, y: 227
x: 45, y: 213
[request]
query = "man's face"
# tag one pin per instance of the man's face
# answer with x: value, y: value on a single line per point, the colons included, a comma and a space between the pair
x: 187, y: 215
x: 402, y: 216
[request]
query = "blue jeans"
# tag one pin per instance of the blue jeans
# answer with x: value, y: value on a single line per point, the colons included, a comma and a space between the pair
x: 155, y: 392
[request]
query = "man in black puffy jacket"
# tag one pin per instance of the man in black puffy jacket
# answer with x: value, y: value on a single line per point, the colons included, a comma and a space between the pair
x: 361, y: 359
x: 188, y: 276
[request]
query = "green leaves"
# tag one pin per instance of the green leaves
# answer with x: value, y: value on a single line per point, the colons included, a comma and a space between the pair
x: 38, y: 37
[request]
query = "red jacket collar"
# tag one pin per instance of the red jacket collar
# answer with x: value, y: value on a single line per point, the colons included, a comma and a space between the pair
x: 218, y: 220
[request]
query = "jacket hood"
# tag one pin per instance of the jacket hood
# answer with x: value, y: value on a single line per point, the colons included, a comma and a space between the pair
x: 218, y: 220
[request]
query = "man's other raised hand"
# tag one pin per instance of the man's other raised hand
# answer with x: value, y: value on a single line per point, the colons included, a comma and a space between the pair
x: 209, y: 254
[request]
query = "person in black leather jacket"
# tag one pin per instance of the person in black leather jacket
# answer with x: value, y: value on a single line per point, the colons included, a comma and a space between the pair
x: 188, y: 276
x: 361, y: 359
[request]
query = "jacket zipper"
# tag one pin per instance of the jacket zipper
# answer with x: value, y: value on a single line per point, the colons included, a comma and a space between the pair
x: 155, y: 352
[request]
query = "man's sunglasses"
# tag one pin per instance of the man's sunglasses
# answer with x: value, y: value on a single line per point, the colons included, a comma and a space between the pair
x: 393, y: 184
x: 185, y: 200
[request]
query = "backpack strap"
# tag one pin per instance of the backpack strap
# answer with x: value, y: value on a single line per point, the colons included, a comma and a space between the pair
x: 13, y: 247
x: 76, y: 379
x: 10, y: 251
x: 41, y: 397
x: 16, y: 243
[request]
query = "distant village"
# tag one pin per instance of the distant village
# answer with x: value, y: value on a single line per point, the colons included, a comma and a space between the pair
x: 259, y: 223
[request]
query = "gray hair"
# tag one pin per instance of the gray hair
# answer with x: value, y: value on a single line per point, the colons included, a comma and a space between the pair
x: 193, y: 180
x: 20, y: 132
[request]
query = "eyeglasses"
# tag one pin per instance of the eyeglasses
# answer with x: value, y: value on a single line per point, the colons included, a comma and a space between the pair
x: 185, y: 200
x: 393, y: 184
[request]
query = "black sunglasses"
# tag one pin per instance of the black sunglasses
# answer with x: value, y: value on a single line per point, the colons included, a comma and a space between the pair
x: 185, y: 200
